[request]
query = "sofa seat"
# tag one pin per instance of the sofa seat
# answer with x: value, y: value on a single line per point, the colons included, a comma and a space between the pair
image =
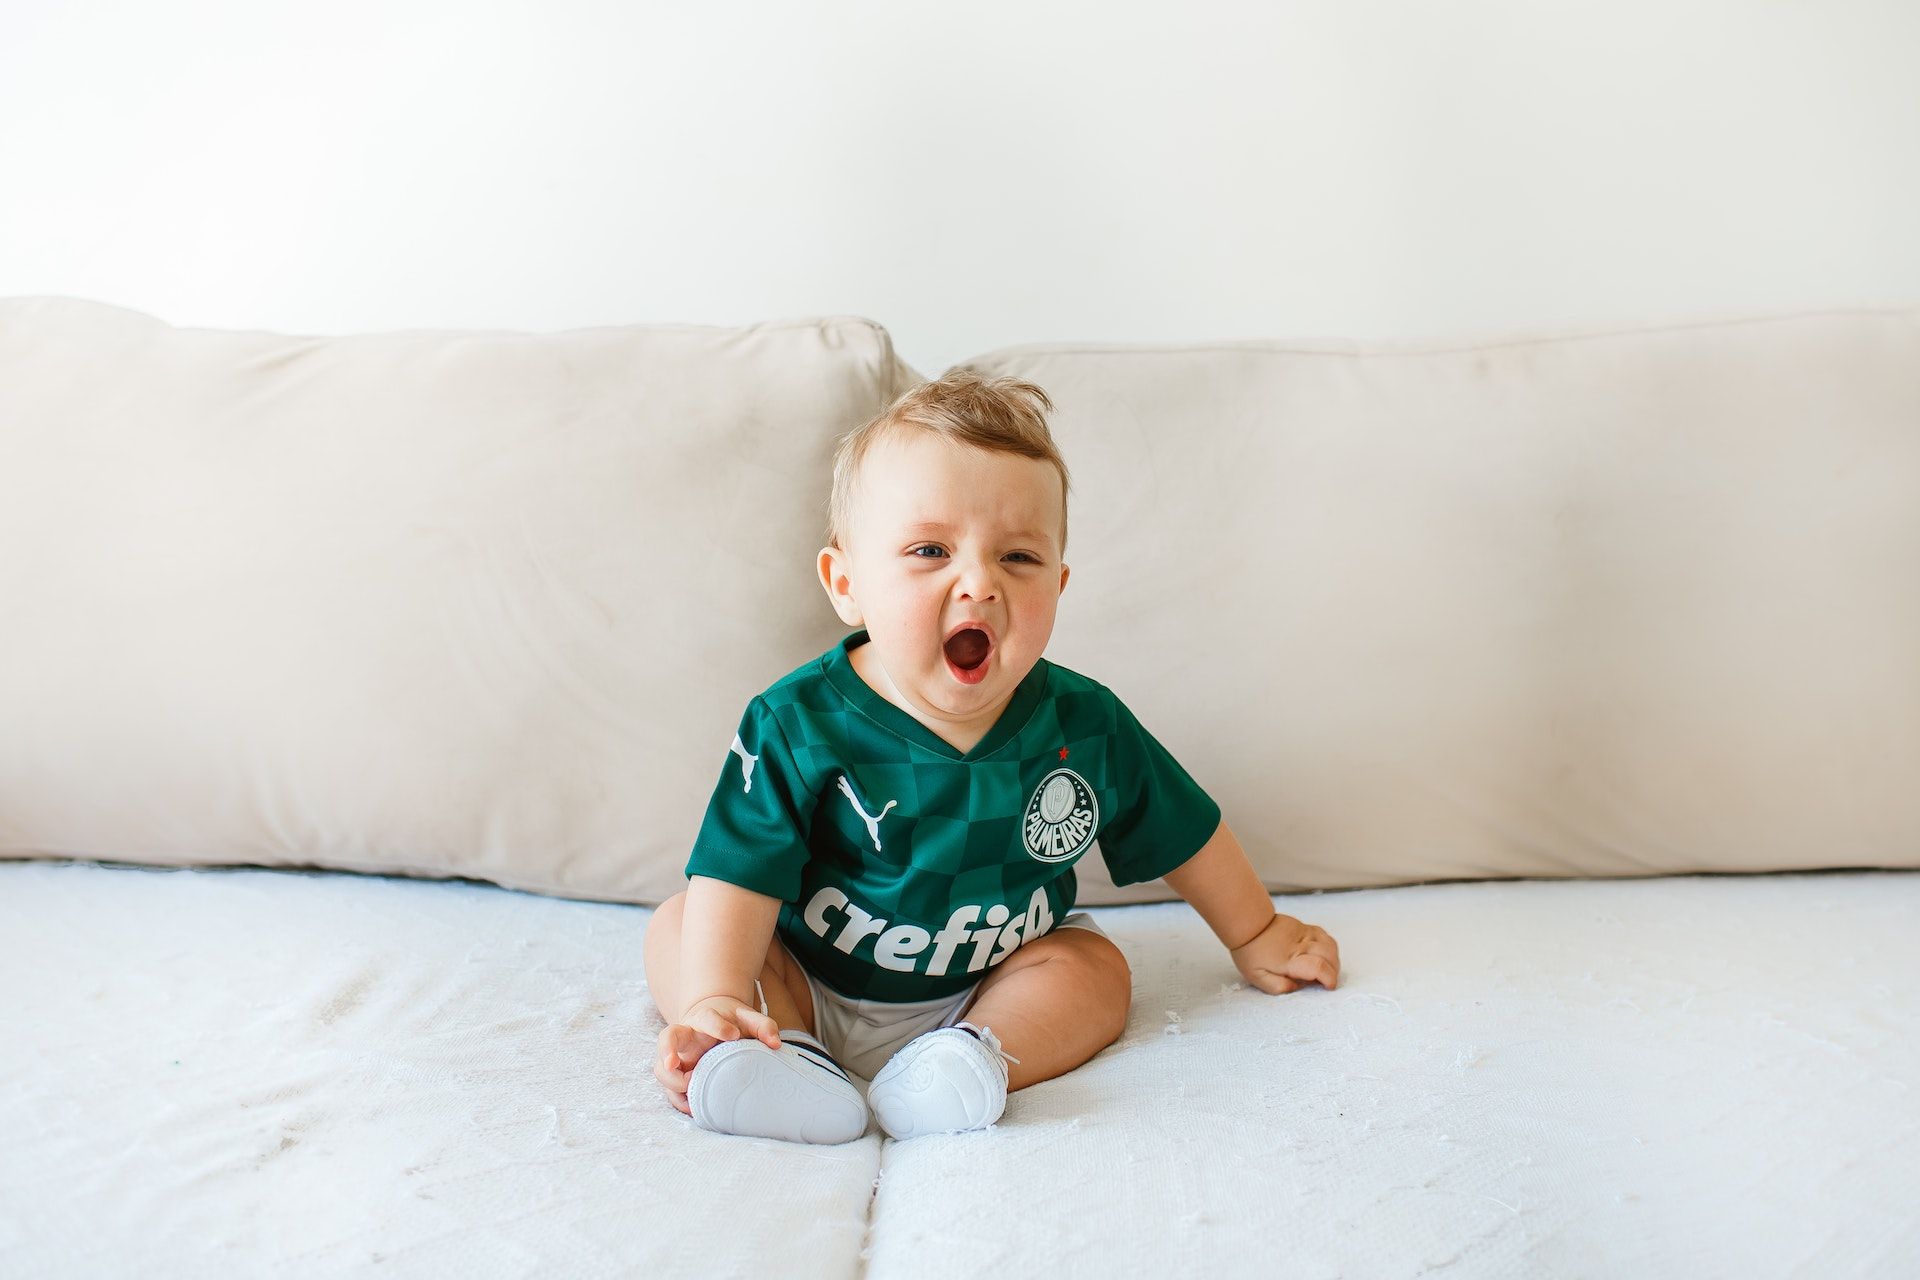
x: 302, y: 1073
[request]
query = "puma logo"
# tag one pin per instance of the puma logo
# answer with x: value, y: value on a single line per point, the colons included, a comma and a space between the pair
x: 871, y: 819
x: 747, y: 762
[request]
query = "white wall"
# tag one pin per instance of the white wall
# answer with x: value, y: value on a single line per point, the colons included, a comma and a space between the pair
x: 971, y: 175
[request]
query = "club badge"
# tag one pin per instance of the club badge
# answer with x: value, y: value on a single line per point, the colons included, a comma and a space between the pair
x: 1061, y: 817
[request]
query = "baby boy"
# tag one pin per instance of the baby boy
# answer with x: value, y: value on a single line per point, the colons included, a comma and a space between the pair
x: 883, y: 883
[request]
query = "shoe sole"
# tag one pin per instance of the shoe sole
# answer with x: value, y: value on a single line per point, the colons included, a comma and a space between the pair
x: 772, y: 1095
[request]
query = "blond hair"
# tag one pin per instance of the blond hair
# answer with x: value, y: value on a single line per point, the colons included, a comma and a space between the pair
x: 1000, y: 415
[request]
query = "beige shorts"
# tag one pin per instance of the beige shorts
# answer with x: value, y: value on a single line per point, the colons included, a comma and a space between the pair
x: 863, y: 1034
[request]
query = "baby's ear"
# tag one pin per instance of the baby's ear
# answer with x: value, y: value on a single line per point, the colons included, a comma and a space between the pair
x: 832, y: 565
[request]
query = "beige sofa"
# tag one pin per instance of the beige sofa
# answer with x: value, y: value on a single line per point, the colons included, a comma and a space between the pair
x: 1572, y: 681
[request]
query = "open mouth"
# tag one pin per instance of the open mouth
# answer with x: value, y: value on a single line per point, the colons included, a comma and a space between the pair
x: 969, y: 651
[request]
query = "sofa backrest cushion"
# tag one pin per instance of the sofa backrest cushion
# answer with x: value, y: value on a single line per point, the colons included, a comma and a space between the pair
x: 1588, y: 605
x: 489, y: 604
x: 468, y: 603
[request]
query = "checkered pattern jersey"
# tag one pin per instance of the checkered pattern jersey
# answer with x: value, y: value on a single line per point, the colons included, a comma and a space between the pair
x: 905, y: 867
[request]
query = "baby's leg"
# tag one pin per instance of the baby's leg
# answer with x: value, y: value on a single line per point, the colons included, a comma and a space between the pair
x: 1054, y: 1003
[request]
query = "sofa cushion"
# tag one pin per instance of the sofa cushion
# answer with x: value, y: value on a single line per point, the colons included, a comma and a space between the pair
x: 244, y: 1072
x: 1671, y: 1077
x: 1595, y: 605
x: 445, y: 602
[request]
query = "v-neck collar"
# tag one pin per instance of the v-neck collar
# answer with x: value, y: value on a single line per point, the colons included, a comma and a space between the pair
x: 1013, y: 717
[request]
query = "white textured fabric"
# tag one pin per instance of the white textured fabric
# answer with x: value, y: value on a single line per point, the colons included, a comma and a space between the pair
x: 1674, y: 1077
x: 1596, y: 605
x: 301, y: 1074
x: 448, y: 602
x: 242, y: 1073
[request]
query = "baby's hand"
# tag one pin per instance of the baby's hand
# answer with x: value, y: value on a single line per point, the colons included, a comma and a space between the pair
x: 1288, y: 954
x: 706, y: 1023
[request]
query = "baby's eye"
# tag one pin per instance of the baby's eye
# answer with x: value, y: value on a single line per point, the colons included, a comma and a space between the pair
x: 939, y: 551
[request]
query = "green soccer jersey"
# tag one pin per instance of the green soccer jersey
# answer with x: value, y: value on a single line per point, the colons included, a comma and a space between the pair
x: 906, y: 867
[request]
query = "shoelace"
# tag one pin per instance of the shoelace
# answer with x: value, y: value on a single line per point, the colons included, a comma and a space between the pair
x: 987, y: 1038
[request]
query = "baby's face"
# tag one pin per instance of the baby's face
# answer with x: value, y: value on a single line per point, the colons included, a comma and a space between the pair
x: 940, y: 535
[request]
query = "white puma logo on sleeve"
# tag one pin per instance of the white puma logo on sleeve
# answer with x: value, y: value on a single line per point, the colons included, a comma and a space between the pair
x: 871, y: 819
x: 739, y: 748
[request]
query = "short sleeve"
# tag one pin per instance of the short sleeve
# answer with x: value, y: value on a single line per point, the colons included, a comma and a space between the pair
x: 755, y: 830
x: 1165, y: 817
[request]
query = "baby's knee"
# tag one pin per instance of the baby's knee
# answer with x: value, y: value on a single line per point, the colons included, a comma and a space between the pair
x: 660, y: 950
x: 1106, y: 981
x: 665, y: 920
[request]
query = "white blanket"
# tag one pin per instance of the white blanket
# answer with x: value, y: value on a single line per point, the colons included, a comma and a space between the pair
x: 252, y: 1072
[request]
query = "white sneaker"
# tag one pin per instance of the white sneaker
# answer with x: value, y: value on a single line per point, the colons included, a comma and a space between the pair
x: 796, y: 1093
x: 942, y: 1082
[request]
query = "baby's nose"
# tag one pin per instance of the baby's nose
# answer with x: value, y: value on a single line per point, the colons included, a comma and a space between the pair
x: 977, y: 586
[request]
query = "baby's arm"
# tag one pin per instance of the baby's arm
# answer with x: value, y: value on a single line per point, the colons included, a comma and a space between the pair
x: 725, y: 934
x: 724, y: 937
x: 1274, y: 953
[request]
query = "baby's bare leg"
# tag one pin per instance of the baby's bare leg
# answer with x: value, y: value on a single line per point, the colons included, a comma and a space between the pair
x: 1054, y: 1003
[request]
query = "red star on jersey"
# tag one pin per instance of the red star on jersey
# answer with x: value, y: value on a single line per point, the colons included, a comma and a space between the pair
x: 1063, y: 753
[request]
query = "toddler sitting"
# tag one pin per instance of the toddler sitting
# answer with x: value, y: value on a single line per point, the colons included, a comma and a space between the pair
x: 882, y: 886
